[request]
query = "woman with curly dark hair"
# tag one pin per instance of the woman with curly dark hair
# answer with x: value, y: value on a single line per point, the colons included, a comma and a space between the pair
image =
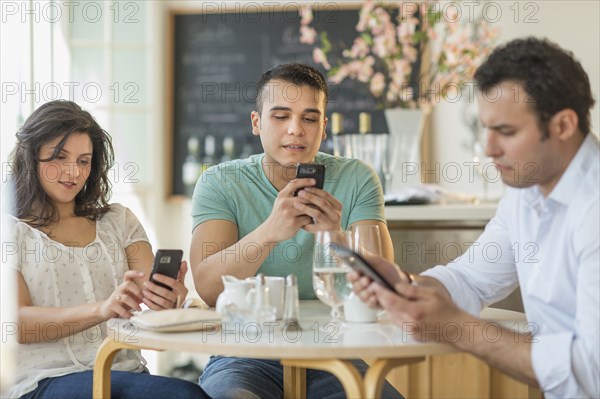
x: 79, y: 262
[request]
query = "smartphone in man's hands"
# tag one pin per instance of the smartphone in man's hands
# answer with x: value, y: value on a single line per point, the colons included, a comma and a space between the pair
x: 166, y: 262
x: 361, y: 265
x: 311, y: 171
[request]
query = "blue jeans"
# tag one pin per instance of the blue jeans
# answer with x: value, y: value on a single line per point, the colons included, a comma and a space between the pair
x: 123, y: 384
x: 241, y: 378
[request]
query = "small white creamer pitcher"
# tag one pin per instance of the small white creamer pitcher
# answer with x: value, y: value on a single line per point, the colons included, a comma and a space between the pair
x: 235, y: 292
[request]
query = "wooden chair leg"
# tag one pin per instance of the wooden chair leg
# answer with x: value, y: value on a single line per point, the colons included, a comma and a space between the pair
x: 344, y: 370
x: 294, y: 382
x: 373, y: 382
x: 102, y: 365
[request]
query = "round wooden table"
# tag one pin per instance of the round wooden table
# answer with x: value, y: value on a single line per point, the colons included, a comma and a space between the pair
x: 321, y: 345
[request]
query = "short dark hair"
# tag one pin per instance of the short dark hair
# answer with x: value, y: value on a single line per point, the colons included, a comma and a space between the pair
x: 54, y: 119
x: 551, y: 76
x: 297, y: 74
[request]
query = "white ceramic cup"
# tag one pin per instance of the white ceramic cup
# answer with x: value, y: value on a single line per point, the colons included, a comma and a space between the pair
x: 356, y: 311
x: 276, y: 286
x: 276, y: 293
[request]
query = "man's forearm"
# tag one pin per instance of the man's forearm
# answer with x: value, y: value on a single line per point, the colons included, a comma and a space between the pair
x: 434, y: 283
x: 241, y: 260
x: 507, y: 350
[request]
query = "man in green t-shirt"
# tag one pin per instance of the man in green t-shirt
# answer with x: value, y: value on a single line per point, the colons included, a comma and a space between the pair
x: 246, y: 219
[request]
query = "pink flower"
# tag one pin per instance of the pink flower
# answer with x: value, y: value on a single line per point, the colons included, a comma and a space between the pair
x: 384, y: 44
x: 306, y: 14
x: 389, y: 44
x: 410, y: 53
x: 360, y: 48
x: 377, y: 84
x: 401, y: 68
x: 432, y: 34
x: 342, y: 73
x: 365, y: 14
x: 319, y: 57
x: 362, y: 70
x: 307, y: 35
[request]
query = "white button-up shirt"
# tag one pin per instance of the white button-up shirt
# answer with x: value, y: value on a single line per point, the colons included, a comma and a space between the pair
x: 549, y: 246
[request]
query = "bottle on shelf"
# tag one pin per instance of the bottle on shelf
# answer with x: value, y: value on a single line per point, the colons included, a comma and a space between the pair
x: 359, y: 141
x: 228, y: 149
x: 338, y: 139
x: 364, y: 123
x: 191, y: 167
x: 369, y: 147
x: 209, y: 153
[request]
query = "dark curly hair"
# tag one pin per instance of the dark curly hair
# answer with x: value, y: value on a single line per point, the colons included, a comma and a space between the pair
x: 59, y: 119
x: 297, y: 74
x: 551, y: 76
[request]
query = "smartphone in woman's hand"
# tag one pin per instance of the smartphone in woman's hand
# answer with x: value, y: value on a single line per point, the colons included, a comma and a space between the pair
x: 166, y: 262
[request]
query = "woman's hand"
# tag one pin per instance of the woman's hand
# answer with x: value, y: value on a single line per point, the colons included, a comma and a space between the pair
x: 159, y: 298
x: 125, y: 298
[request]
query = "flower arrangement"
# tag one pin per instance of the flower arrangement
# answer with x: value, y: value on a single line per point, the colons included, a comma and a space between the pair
x: 388, y: 53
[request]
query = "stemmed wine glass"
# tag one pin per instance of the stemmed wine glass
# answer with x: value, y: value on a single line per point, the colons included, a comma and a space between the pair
x: 405, y: 147
x: 480, y: 160
x: 477, y: 146
x: 389, y: 159
x: 366, y: 238
x: 329, y: 273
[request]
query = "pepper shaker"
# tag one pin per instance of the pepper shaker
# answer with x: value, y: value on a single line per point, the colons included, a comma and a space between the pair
x: 291, y: 308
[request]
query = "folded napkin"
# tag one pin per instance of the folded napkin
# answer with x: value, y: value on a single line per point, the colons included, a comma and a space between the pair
x: 177, y: 320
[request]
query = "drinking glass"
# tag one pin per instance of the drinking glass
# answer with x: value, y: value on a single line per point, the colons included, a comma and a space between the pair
x: 329, y: 273
x: 388, y: 163
x: 366, y: 238
x: 476, y: 146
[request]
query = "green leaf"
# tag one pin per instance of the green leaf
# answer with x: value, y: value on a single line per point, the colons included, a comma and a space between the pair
x: 333, y: 71
x: 326, y: 43
x: 419, y: 36
x: 433, y: 17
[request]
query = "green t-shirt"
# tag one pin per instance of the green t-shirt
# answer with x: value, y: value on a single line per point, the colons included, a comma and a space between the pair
x: 240, y: 192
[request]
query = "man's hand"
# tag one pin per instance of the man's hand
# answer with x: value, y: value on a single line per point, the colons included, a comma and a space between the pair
x: 423, y: 309
x: 426, y: 311
x: 285, y: 219
x: 388, y: 270
x: 323, y: 208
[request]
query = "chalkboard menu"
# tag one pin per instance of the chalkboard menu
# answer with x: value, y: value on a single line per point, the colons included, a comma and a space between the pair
x: 217, y: 60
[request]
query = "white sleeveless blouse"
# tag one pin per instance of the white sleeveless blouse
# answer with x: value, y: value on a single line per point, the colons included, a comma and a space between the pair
x: 62, y: 276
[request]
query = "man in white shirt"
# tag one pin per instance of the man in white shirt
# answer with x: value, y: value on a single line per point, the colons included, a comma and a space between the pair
x: 534, y: 100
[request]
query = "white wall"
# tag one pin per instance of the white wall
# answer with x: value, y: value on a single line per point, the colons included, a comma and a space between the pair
x: 574, y: 25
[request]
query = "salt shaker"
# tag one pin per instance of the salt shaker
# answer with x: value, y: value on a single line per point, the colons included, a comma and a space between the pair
x: 291, y: 308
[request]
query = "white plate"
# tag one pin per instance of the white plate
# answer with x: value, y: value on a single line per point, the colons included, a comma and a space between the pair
x: 177, y: 320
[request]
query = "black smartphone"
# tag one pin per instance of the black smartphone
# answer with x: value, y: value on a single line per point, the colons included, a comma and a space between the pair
x: 311, y: 170
x: 358, y: 263
x: 166, y: 262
